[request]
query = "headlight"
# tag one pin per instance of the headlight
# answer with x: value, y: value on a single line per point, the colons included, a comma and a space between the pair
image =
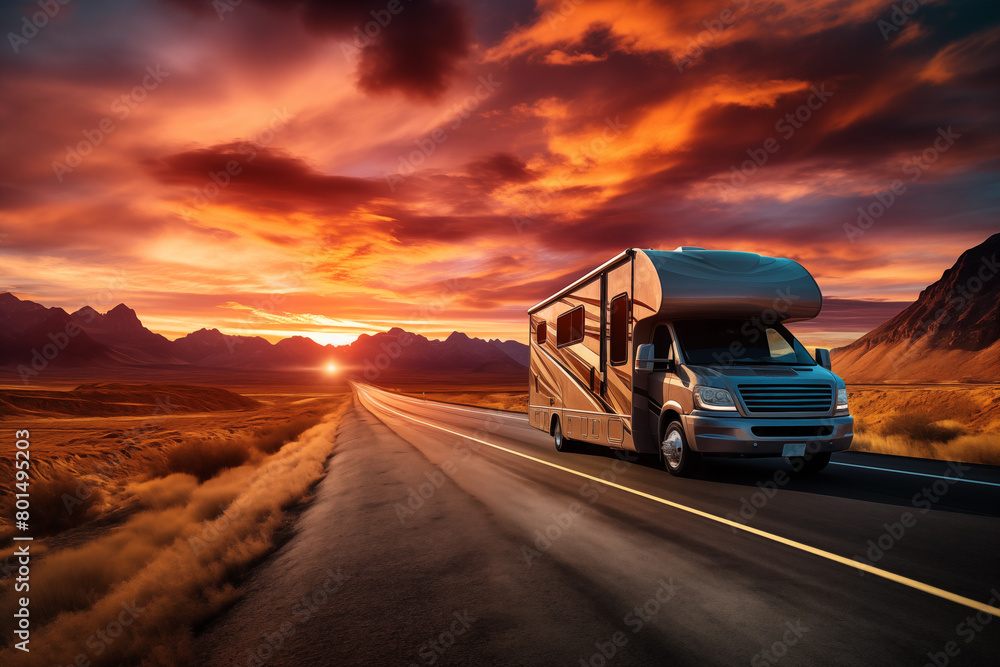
x: 842, y: 400
x: 710, y: 398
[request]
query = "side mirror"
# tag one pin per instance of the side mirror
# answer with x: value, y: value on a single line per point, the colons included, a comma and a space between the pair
x: 644, y: 357
x: 646, y: 361
x: 823, y: 358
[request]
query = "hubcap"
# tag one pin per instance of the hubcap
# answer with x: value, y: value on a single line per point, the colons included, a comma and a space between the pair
x: 673, y: 449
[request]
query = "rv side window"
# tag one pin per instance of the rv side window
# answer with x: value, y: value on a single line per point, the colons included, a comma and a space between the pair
x: 541, y: 332
x: 619, y: 330
x: 569, y: 327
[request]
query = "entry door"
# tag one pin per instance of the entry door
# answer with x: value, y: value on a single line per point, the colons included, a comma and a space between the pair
x: 617, y: 348
x: 604, y: 336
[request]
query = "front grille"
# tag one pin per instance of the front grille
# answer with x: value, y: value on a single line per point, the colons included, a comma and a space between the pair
x: 766, y: 398
x: 791, y: 431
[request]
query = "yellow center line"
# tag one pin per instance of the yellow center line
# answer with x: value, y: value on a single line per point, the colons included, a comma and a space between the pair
x: 865, y: 567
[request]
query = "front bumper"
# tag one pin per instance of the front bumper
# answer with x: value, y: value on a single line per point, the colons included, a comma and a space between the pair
x: 710, y: 434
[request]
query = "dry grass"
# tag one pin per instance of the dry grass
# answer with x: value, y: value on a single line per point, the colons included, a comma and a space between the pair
x: 204, y: 459
x: 192, y: 535
x: 57, y: 504
x: 82, y: 467
x: 271, y: 437
x: 919, y: 427
x: 975, y: 407
x: 945, y: 422
x: 978, y: 448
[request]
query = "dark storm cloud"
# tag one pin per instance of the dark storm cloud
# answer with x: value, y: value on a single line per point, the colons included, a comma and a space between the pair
x: 412, y: 228
x: 500, y: 168
x: 419, y: 53
x: 261, y: 179
x: 411, y: 46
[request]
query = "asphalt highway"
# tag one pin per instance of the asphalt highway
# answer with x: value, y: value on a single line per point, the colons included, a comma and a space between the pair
x: 454, y: 535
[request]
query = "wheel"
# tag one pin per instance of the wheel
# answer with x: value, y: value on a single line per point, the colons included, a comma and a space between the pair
x: 563, y: 444
x: 679, y: 459
x: 809, y: 465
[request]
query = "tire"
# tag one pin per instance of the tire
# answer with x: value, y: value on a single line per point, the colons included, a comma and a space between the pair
x: 563, y: 444
x: 810, y: 465
x: 678, y: 458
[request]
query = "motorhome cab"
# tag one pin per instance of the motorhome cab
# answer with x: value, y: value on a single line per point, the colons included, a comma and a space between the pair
x: 686, y: 353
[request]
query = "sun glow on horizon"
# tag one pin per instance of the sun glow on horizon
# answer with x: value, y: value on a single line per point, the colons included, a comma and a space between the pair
x: 333, y: 338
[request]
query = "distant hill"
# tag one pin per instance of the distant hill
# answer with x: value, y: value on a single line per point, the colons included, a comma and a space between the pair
x: 211, y: 347
x: 113, y: 399
x: 951, y: 333
x: 123, y: 334
x: 517, y: 351
x: 403, y: 350
x: 33, y: 337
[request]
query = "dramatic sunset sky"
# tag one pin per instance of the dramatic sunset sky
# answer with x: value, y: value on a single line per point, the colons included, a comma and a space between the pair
x: 472, y: 157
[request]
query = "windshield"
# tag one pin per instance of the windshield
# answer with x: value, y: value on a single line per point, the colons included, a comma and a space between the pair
x: 739, y: 342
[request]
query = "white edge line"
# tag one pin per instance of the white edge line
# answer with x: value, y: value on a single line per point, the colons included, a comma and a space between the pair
x: 885, y: 574
x: 918, y: 474
x: 517, y: 415
x: 495, y: 412
x: 452, y: 406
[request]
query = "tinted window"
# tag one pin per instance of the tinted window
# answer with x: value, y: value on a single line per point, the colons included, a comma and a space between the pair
x: 662, y: 347
x: 569, y: 327
x: 779, y: 347
x: 739, y: 342
x: 618, y: 335
x: 541, y: 332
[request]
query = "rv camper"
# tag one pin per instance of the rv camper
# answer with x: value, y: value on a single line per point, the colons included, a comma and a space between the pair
x: 685, y: 353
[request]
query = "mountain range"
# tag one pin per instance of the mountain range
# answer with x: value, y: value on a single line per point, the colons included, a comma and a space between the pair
x: 951, y: 333
x: 33, y: 337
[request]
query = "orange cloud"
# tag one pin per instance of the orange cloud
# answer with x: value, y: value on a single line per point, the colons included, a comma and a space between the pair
x: 606, y: 125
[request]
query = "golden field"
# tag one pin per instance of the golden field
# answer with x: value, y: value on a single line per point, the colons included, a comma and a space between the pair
x: 947, y: 422
x: 160, y: 496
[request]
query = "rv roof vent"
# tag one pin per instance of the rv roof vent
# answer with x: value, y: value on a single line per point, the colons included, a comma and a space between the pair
x: 686, y: 248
